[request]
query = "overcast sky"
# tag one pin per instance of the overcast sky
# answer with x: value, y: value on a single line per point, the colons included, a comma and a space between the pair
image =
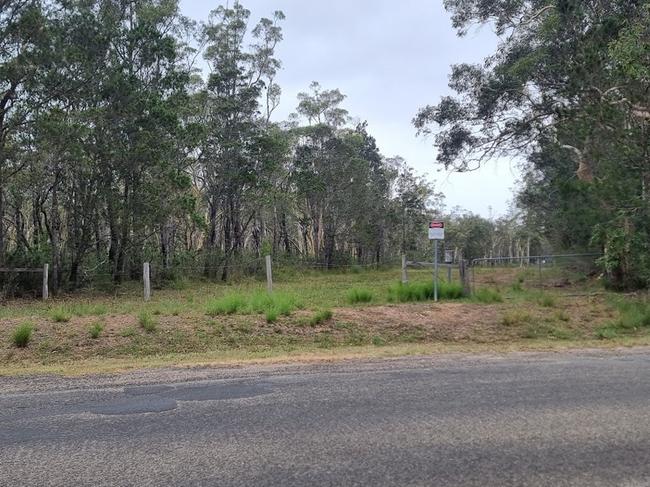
x: 389, y: 58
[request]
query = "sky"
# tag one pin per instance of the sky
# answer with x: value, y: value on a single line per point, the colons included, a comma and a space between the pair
x: 389, y: 58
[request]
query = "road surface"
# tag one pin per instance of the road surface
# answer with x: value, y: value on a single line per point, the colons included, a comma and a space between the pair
x: 559, y: 419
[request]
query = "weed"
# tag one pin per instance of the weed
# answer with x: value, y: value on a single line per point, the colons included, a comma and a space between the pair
x: 606, y: 333
x: 378, y: 341
x: 562, y: 316
x: 60, y: 315
x: 517, y: 287
x: 359, y: 295
x: 22, y: 335
x: 321, y: 317
x: 147, y: 322
x: 95, y: 330
x: 487, y: 296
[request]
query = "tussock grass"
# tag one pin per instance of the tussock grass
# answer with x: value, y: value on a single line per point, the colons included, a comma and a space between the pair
x: 546, y: 300
x: 227, y: 305
x: 147, y: 322
x: 359, y: 295
x: 634, y: 316
x: 22, y: 334
x: 60, y: 315
x: 321, y: 317
x: 272, y: 315
x: 95, y: 330
x: 423, y: 291
x: 516, y: 318
x: 487, y: 295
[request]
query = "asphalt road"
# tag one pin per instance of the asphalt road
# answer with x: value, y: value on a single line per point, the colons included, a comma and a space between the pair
x: 524, y: 419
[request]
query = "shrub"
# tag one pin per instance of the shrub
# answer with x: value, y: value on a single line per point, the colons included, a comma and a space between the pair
x: 22, y: 335
x: 60, y: 315
x: 359, y: 295
x: 321, y: 317
x: 147, y: 322
x: 227, y: 305
x: 487, y: 296
x: 95, y: 330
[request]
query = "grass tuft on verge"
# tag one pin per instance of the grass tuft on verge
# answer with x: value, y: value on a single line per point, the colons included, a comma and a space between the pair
x: 22, y: 334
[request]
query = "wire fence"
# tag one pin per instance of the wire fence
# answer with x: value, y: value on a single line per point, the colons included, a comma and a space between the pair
x: 538, y: 271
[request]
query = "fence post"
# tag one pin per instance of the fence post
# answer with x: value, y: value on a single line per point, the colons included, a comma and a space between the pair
x: 46, y: 278
x: 405, y: 276
x: 539, y: 267
x: 449, y: 273
x: 147, y: 282
x: 464, y: 277
x: 269, y: 275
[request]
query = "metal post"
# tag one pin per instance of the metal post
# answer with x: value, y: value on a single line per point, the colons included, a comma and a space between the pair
x: 269, y: 275
x: 435, y: 270
x: 448, y: 272
x: 46, y: 278
x: 146, y: 279
x: 405, y: 276
x: 539, y: 267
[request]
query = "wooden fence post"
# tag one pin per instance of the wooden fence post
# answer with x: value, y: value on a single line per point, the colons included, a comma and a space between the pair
x: 46, y: 278
x: 146, y: 280
x: 405, y: 275
x: 449, y: 273
x: 269, y: 275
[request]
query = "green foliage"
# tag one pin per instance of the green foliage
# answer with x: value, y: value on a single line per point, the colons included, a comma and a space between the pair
x: 423, y: 291
x: 547, y: 301
x: 95, y: 330
x: 321, y: 317
x: 22, y: 334
x: 147, y: 322
x: 272, y: 315
x: 359, y: 295
x: 487, y: 296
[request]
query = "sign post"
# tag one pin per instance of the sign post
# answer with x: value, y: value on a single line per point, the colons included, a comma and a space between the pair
x: 436, y: 233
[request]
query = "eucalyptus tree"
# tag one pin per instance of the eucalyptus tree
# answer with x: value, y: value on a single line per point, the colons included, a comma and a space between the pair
x: 567, y: 79
x: 233, y: 158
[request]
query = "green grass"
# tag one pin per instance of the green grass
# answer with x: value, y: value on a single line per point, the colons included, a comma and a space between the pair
x: 60, y: 315
x: 128, y: 332
x: 147, y: 322
x: 22, y: 334
x: 516, y: 318
x: 321, y: 317
x: 487, y: 295
x: 95, y: 330
x: 272, y: 315
x: 423, y: 291
x: 634, y: 316
x: 546, y: 300
x: 359, y: 295
x: 226, y: 305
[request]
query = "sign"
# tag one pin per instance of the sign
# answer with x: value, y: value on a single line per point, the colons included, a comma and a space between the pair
x: 449, y: 256
x: 437, y: 230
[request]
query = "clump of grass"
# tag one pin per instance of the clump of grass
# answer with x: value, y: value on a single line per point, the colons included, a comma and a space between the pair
x: 60, y: 315
x: 378, y: 341
x: 517, y: 287
x: 128, y: 332
x: 562, y: 316
x: 227, y: 305
x: 606, y: 333
x: 95, y: 330
x: 540, y: 330
x: 272, y: 315
x: 487, y: 296
x: 321, y: 317
x: 22, y: 334
x: 634, y: 316
x: 516, y: 318
x: 547, y: 301
x: 147, y: 322
x: 359, y: 295
x: 423, y: 291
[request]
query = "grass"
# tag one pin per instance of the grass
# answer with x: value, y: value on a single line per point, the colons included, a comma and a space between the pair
x: 278, y: 304
x: 634, y: 316
x: 321, y: 317
x: 516, y: 318
x: 423, y: 291
x: 547, y: 301
x: 60, y: 315
x: 227, y: 305
x: 22, y: 334
x: 359, y: 295
x: 95, y: 330
x: 486, y: 295
x: 147, y: 322
x: 272, y: 315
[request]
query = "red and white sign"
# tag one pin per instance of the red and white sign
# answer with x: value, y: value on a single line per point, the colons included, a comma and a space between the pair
x: 437, y: 230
